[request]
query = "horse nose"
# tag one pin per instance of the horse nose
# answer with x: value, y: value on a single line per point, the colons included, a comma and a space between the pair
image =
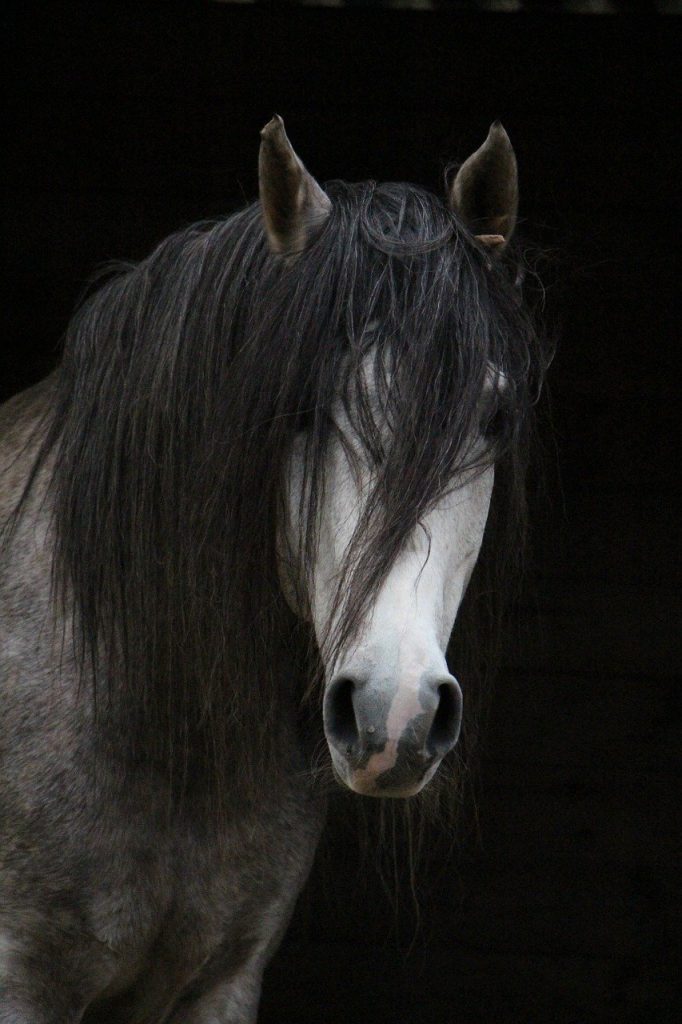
x: 413, y: 720
x: 447, y: 715
x: 340, y: 721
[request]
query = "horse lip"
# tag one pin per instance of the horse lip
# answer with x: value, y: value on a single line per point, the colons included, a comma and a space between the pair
x: 396, y: 790
x: 399, y: 782
x: 388, y: 792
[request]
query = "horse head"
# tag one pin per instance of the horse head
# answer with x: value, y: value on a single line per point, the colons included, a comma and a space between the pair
x: 392, y: 709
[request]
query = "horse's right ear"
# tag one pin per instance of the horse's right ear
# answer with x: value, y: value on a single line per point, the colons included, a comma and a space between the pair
x: 485, y: 192
x: 294, y: 206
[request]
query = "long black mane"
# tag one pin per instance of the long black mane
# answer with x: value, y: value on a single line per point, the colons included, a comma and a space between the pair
x: 183, y: 384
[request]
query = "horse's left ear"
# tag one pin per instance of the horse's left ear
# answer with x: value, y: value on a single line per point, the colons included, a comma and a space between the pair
x: 485, y: 192
x: 294, y: 205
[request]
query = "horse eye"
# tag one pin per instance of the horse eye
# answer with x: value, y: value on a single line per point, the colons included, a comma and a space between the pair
x: 494, y: 425
x: 304, y: 420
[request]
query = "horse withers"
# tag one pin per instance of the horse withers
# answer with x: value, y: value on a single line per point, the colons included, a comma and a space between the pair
x: 241, y: 517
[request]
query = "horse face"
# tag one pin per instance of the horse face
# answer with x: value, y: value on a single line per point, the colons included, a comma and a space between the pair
x: 391, y: 708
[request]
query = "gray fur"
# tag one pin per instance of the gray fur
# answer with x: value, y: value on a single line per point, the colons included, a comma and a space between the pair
x: 108, y: 900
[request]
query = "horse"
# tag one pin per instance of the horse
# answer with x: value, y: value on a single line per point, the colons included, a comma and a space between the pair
x: 238, y: 523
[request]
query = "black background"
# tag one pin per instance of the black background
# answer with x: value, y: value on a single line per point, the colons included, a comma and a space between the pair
x: 128, y: 122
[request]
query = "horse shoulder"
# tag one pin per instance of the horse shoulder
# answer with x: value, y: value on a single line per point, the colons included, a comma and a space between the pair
x: 22, y: 429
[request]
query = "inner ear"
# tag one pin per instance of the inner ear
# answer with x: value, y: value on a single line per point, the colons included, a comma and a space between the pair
x: 294, y: 206
x: 485, y: 191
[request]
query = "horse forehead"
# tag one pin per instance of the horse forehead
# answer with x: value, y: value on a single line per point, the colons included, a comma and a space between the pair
x: 495, y: 380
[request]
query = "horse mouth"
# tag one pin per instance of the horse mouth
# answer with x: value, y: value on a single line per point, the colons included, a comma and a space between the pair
x: 397, y: 783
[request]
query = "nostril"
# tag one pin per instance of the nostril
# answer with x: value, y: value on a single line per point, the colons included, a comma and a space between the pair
x: 444, y: 730
x: 339, y: 714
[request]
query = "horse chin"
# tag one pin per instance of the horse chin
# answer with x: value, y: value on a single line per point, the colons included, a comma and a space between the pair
x: 369, y: 784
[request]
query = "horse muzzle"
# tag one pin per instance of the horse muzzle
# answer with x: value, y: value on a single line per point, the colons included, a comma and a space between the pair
x: 386, y: 738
